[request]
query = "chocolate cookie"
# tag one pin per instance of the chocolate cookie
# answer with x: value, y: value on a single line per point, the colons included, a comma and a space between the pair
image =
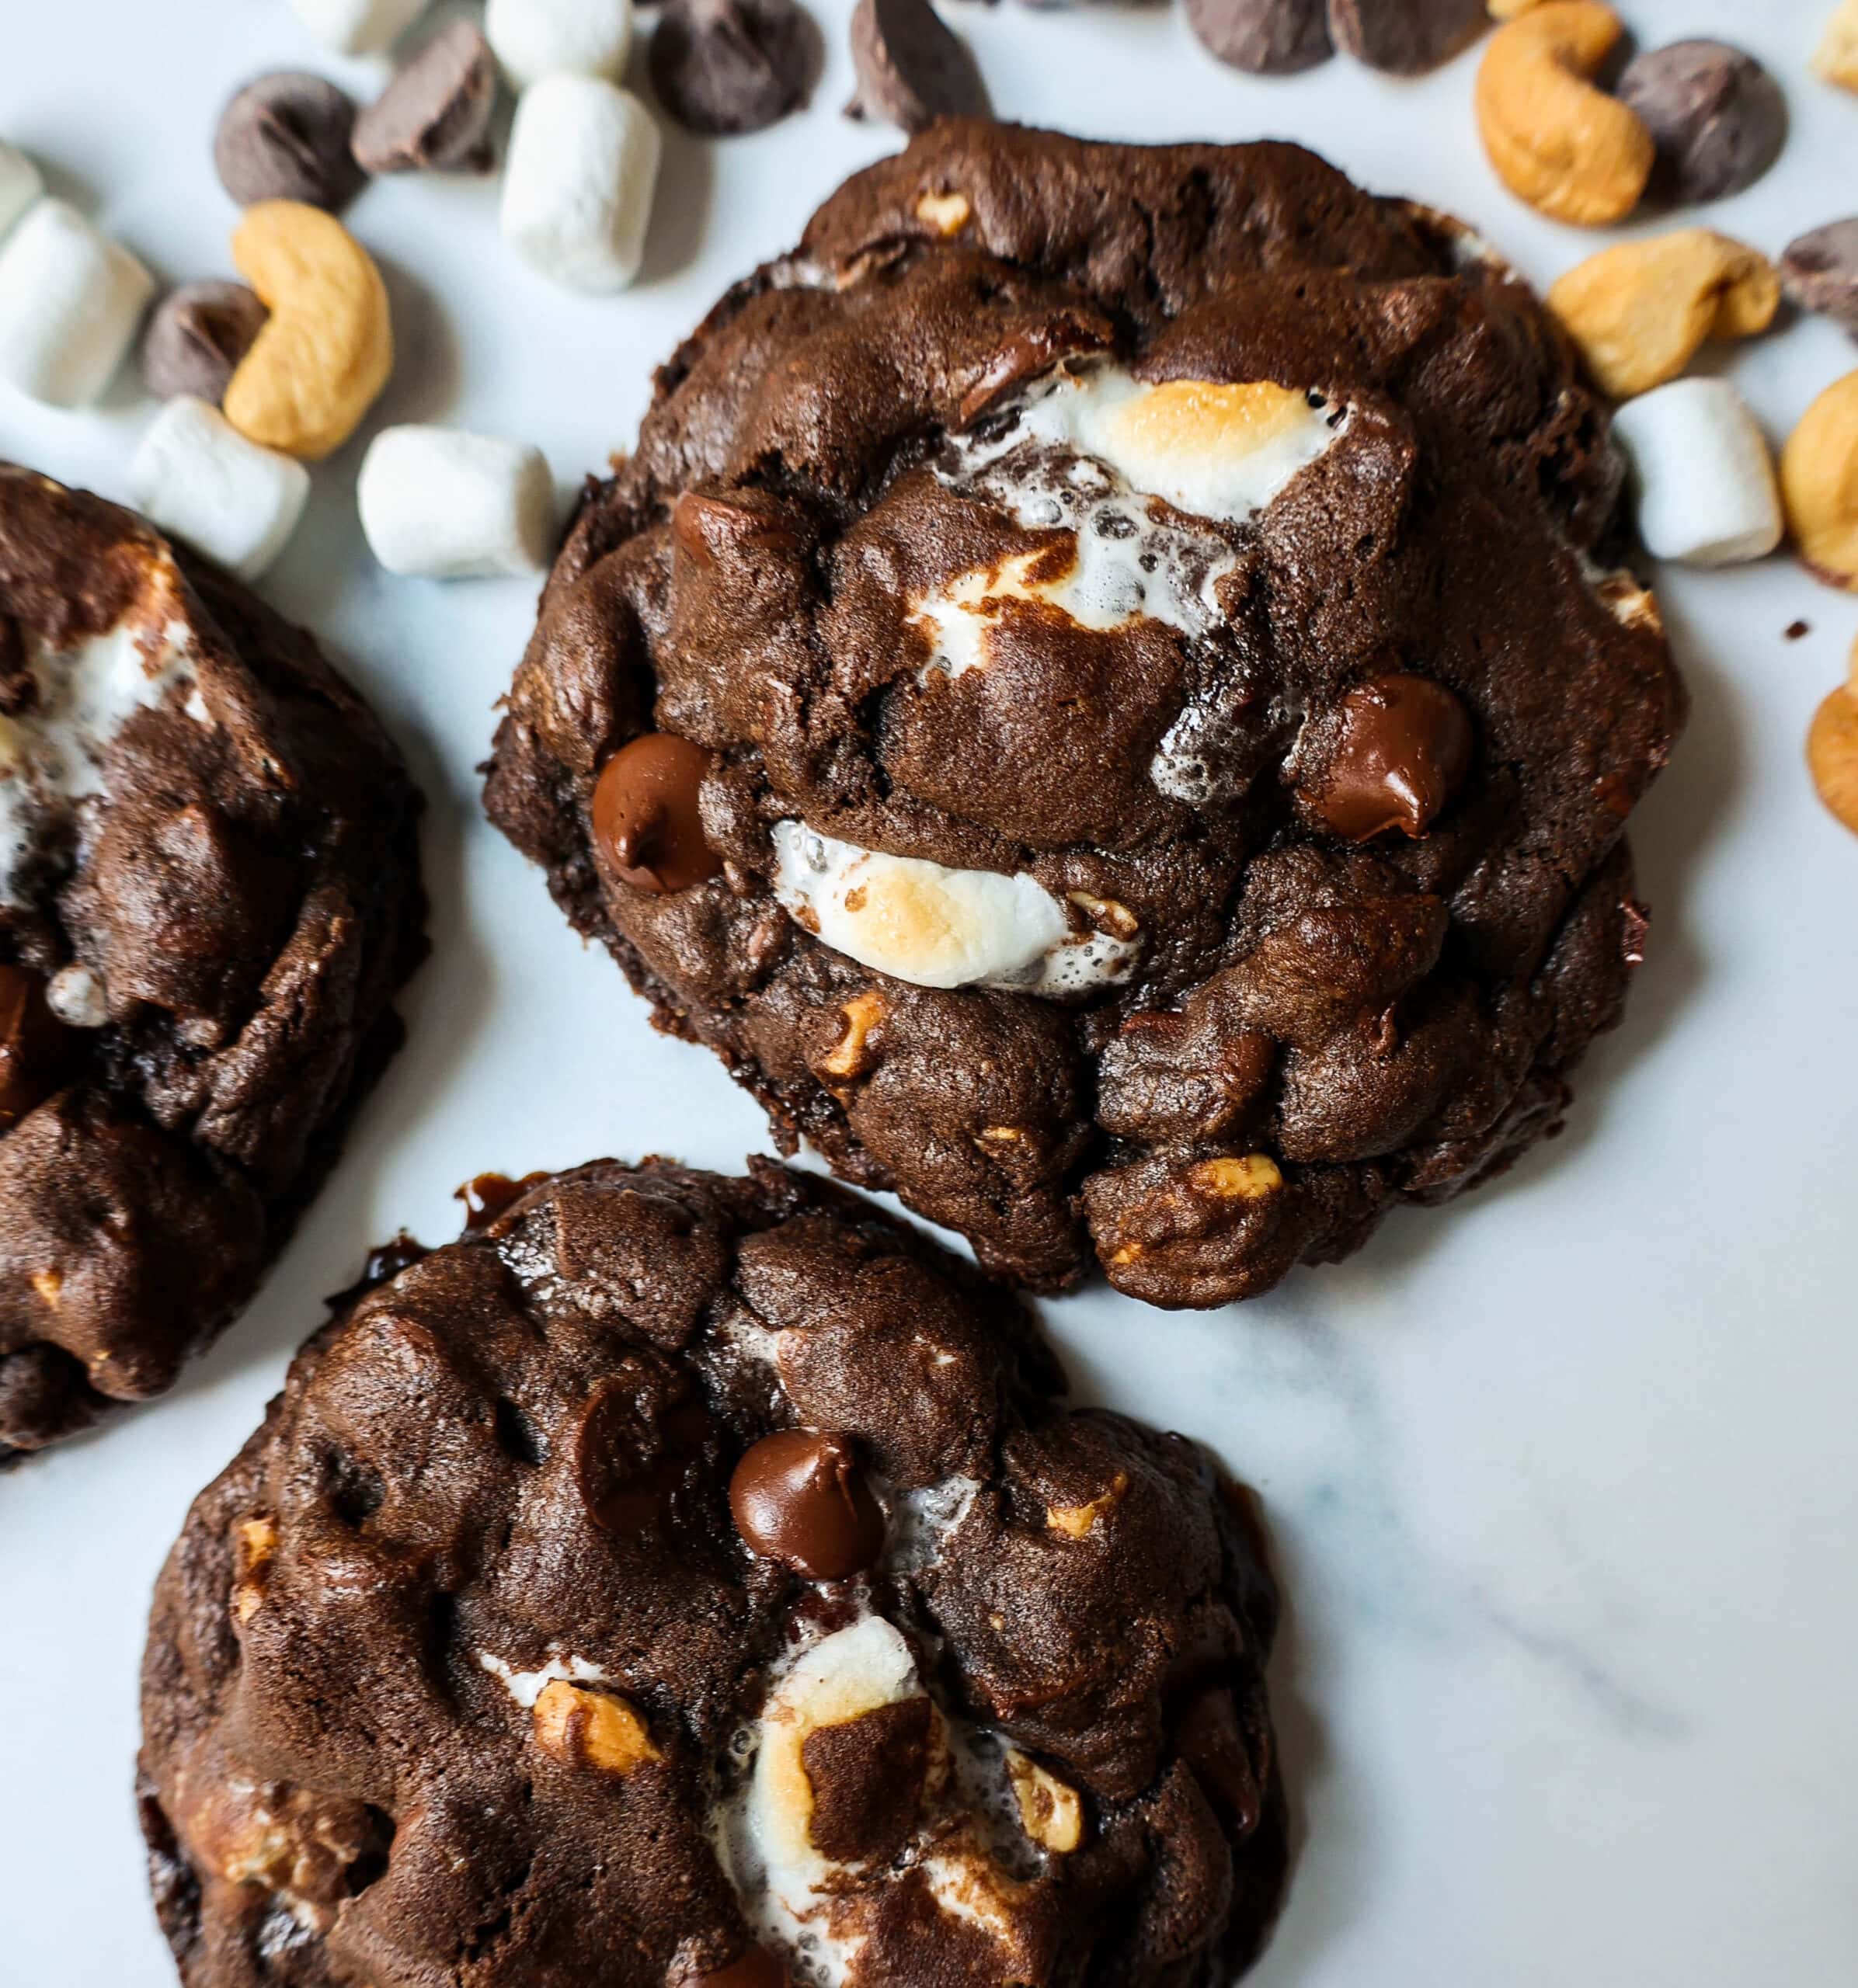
x: 209, y: 894
x: 1159, y: 708
x: 682, y: 1580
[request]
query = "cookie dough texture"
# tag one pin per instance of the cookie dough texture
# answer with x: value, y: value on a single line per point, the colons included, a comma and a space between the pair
x: 207, y: 854
x: 822, y: 565
x: 462, y: 1671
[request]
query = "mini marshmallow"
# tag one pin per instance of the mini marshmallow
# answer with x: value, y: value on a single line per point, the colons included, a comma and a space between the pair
x: 70, y: 301
x: 20, y: 186
x: 451, y: 505
x: 1703, y: 473
x: 358, y: 27
x: 578, y: 183
x: 197, y: 477
x: 532, y: 39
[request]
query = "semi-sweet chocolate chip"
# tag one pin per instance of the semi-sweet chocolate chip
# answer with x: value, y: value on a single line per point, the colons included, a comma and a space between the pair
x: 1819, y: 272
x: 435, y: 115
x: 724, y: 67
x: 1716, y: 116
x: 196, y: 337
x: 1403, y: 749
x: 1406, y: 37
x: 912, y: 67
x: 1264, y: 37
x: 800, y: 1497
x: 646, y: 818
x: 289, y: 136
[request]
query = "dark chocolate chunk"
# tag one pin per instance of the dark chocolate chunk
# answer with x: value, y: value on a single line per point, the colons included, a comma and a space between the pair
x: 724, y: 67
x: 196, y: 338
x: 1819, y: 272
x: 1717, y: 118
x: 287, y: 136
x: 1403, y: 750
x: 912, y: 67
x: 646, y: 819
x: 1264, y: 37
x: 435, y: 115
x: 1406, y: 37
x: 800, y: 1497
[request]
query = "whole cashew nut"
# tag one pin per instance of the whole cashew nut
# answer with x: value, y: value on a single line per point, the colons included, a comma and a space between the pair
x: 327, y: 348
x: 1639, y: 310
x: 1566, y: 148
x: 1832, y: 749
x: 1819, y: 484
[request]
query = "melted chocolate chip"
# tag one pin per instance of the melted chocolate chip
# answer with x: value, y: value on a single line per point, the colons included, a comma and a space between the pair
x: 391, y: 1259
x: 36, y: 1051
x: 486, y: 1195
x: 799, y: 1497
x: 1212, y: 1745
x: 197, y: 337
x: 645, y: 821
x: 286, y: 137
x: 1403, y: 750
x: 755, y: 1969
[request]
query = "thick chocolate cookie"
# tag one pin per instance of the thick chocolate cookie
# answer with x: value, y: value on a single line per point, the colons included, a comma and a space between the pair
x: 1153, y: 709
x: 209, y: 893
x: 682, y: 1580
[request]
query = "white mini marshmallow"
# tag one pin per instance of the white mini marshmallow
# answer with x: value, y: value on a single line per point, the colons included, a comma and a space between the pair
x: 532, y: 39
x: 358, y: 27
x: 1703, y: 473
x: 20, y: 186
x: 452, y: 506
x: 197, y: 477
x: 70, y: 301
x: 578, y: 183
x: 937, y: 927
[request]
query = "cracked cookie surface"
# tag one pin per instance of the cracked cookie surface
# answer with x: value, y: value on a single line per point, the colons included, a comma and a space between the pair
x: 686, y: 1580
x: 209, y: 894
x: 1105, y: 694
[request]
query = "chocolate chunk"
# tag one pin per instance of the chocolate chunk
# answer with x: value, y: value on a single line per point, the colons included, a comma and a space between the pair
x: 433, y: 116
x: 867, y: 1775
x: 1406, y: 37
x: 755, y: 1969
x: 1405, y: 749
x: 724, y: 67
x: 800, y: 1498
x: 287, y: 137
x: 196, y: 338
x: 1716, y: 116
x: 1265, y: 37
x: 36, y: 1051
x: 912, y: 67
x: 645, y: 821
x: 1819, y: 272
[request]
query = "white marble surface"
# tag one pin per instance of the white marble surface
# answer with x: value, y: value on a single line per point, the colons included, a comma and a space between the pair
x: 1562, y: 1478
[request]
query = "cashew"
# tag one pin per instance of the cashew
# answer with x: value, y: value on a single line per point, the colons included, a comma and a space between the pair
x: 1832, y: 749
x: 1639, y: 310
x: 1050, y: 1811
x: 1559, y: 144
x: 1233, y: 1178
x: 1819, y: 484
x: 1837, y: 61
x: 579, y: 1727
x: 326, y: 350
x: 948, y: 213
x: 1507, y: 10
x: 1078, y: 1521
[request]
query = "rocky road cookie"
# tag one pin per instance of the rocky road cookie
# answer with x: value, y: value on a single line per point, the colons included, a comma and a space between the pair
x: 1104, y: 694
x: 682, y: 1580
x: 208, y: 895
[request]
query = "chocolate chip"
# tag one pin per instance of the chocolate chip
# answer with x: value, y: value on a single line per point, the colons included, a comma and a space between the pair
x: 800, y: 1497
x: 912, y: 67
x: 724, y: 67
x: 646, y: 819
x: 1404, y: 749
x: 433, y: 116
x: 486, y: 1195
x: 1265, y: 37
x: 755, y: 1969
x: 196, y: 338
x: 286, y: 137
x: 1406, y: 37
x: 36, y: 1051
x: 1716, y: 116
x: 1819, y: 272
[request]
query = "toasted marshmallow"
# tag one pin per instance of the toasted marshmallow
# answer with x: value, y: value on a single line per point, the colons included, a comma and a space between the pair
x: 937, y: 927
x: 1702, y: 472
